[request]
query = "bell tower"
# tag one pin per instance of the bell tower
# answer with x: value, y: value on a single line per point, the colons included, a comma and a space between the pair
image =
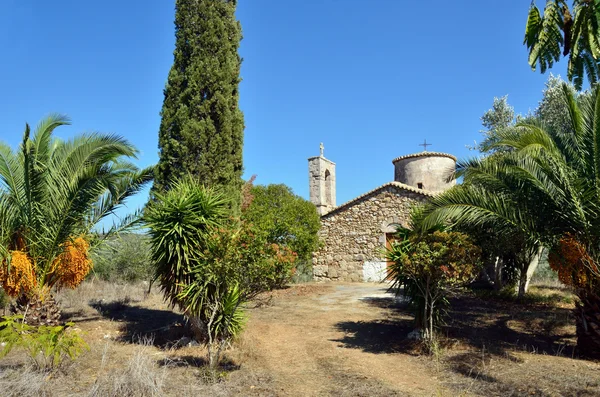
x: 321, y: 182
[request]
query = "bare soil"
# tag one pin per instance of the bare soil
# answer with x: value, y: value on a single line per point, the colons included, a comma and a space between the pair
x: 317, y: 340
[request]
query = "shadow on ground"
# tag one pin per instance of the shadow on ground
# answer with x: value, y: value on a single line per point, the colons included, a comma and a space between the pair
x: 78, y: 316
x: 387, y: 335
x: 496, y: 326
x: 499, y: 327
x: 197, y: 362
x: 162, y: 328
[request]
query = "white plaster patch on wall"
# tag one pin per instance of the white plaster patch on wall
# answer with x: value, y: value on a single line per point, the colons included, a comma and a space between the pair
x: 374, y: 270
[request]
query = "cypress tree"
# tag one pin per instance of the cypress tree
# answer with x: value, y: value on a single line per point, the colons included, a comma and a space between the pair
x: 201, y: 131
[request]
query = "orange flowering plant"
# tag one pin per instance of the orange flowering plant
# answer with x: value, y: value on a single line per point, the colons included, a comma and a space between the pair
x: 52, y: 193
x: 429, y: 267
x: 575, y: 267
x: 69, y: 269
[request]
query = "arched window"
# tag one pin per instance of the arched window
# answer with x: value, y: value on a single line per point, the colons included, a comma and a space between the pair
x: 328, y: 200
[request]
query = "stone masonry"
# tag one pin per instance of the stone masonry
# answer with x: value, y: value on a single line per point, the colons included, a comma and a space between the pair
x: 321, y: 183
x: 353, y: 235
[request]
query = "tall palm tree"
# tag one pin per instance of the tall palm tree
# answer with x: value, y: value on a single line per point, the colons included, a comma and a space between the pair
x: 543, y: 184
x: 52, y: 193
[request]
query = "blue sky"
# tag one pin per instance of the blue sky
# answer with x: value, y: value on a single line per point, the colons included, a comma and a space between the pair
x: 370, y: 80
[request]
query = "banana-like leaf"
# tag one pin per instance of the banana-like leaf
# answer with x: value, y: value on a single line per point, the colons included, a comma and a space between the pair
x: 533, y: 27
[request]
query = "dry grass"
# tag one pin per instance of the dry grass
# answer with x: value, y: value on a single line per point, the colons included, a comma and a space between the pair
x: 316, y: 340
x: 141, y: 376
x: 23, y: 382
x: 518, y: 374
x: 78, y: 302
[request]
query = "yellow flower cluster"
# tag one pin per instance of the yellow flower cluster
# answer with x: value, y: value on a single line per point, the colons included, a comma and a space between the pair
x: 73, y: 264
x: 21, y: 276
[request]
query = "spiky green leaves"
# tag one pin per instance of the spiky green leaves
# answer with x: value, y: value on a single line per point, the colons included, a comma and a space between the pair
x: 51, y: 190
x: 533, y: 27
x: 178, y: 222
x: 578, y: 35
x: 543, y: 183
x: 543, y: 35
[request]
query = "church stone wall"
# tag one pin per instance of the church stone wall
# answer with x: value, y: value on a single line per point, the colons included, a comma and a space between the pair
x: 353, y: 235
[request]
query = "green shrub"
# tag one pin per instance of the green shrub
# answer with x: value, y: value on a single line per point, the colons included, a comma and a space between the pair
x: 209, y: 264
x: 427, y: 267
x: 287, y: 220
x: 125, y: 257
x: 47, y: 346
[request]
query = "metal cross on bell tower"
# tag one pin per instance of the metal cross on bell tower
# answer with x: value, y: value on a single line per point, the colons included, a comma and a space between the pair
x: 425, y: 144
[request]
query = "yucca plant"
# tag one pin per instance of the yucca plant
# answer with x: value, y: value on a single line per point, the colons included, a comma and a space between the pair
x: 188, y: 262
x: 209, y: 264
x: 52, y: 193
x: 543, y: 183
x: 178, y: 221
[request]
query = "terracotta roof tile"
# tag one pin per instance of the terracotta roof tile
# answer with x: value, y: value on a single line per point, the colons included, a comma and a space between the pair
x: 424, y: 154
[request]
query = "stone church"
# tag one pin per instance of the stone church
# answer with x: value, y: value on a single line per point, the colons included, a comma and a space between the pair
x: 356, y: 233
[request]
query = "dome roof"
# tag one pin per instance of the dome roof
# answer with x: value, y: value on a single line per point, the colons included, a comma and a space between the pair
x: 424, y: 154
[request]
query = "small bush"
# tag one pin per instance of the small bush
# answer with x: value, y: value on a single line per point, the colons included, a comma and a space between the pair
x: 303, y: 272
x: 285, y: 219
x: 427, y: 268
x: 47, y: 346
x: 124, y: 258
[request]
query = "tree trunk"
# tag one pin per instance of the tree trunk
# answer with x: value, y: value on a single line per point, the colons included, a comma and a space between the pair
x: 588, y: 325
x: 498, y: 268
x: 37, y: 311
x: 522, y: 288
x: 212, y: 357
x: 527, y: 272
x: 533, y: 265
x: 431, y: 314
x: 197, y: 327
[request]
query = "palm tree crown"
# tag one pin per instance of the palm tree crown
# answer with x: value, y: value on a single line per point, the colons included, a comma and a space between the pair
x: 543, y: 185
x: 52, y: 191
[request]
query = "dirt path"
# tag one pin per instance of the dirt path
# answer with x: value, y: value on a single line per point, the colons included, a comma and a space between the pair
x: 334, y: 339
x: 338, y: 340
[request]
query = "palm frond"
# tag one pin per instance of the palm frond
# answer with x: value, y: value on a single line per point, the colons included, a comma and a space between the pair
x: 533, y: 27
x: 545, y: 45
x: 49, y: 188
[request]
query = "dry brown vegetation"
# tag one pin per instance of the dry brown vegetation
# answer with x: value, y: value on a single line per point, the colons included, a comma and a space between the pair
x: 316, y: 340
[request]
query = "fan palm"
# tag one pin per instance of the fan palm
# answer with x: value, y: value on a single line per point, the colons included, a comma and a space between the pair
x: 545, y: 186
x: 52, y: 193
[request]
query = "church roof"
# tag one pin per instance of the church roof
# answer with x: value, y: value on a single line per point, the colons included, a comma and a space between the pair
x: 378, y: 189
x: 424, y: 154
